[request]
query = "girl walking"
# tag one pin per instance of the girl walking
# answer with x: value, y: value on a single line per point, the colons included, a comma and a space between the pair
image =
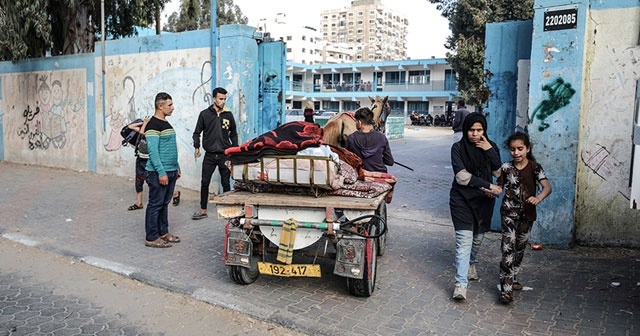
x: 519, y: 179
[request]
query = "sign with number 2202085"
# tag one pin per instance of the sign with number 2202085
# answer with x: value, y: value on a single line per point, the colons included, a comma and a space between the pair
x: 561, y: 19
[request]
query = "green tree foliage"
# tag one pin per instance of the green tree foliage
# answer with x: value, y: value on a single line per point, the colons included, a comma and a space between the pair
x: 196, y: 14
x: 467, y: 21
x: 19, y: 20
x: 29, y: 29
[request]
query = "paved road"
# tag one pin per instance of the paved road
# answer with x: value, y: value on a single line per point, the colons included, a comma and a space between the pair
x: 573, y: 292
x: 42, y: 293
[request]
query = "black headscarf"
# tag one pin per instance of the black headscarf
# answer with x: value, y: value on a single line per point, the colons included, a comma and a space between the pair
x: 475, y: 159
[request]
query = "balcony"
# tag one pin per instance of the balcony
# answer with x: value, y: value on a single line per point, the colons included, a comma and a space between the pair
x: 296, y: 87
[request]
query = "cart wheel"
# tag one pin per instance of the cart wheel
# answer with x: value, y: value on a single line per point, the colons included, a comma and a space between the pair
x: 244, y: 275
x: 364, y: 287
x: 382, y: 241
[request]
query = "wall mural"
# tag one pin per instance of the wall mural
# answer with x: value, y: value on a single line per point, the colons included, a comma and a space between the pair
x: 46, y: 109
x: 45, y: 117
x: 131, y: 84
x: 559, y: 94
x: 121, y: 109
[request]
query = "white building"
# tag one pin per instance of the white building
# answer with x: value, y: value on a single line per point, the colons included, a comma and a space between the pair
x: 304, y: 44
x: 425, y: 86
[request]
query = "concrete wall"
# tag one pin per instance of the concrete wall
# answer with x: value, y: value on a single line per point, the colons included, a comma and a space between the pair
x: 63, y: 112
x: 605, y: 152
x: 554, y: 111
x: 131, y: 82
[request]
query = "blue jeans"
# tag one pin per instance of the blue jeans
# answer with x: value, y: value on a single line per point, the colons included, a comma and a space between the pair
x: 467, y: 247
x: 156, y: 221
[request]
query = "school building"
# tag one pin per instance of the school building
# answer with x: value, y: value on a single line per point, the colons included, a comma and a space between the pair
x: 426, y: 86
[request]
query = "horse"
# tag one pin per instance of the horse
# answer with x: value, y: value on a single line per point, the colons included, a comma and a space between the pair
x: 339, y: 127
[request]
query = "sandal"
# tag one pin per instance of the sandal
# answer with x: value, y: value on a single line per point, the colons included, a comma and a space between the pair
x: 157, y: 243
x: 198, y: 215
x: 169, y: 238
x: 506, y: 297
x: 135, y: 207
x: 176, y: 199
x: 516, y: 286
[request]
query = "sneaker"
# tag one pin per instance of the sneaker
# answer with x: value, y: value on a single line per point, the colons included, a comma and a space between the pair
x: 473, y: 274
x: 460, y: 293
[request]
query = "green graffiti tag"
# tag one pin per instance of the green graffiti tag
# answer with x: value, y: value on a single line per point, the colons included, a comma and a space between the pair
x: 559, y: 95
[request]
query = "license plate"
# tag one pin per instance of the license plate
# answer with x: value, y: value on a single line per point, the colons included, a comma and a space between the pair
x: 299, y: 270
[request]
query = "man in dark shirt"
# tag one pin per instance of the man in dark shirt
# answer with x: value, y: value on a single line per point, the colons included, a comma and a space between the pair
x: 458, y: 120
x: 219, y: 129
x: 370, y: 145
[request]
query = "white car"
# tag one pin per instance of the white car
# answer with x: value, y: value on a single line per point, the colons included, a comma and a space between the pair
x: 294, y: 115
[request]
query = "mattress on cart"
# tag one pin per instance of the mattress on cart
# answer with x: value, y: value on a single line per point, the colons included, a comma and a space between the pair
x: 293, y: 170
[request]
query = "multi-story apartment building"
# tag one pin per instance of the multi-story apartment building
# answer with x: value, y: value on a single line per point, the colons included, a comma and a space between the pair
x: 424, y: 86
x: 375, y: 32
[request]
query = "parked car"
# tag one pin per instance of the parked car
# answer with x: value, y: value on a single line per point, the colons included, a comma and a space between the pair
x: 325, y: 114
x: 294, y: 115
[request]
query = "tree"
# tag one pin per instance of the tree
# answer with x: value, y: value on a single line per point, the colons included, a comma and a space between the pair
x: 467, y: 20
x: 32, y: 28
x: 196, y: 14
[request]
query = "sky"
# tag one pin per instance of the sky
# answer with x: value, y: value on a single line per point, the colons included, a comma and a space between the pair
x: 426, y: 37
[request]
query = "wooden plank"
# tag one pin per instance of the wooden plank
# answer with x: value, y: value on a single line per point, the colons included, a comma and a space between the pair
x: 241, y: 197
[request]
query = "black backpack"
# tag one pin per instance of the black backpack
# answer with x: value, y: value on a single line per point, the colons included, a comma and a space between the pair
x: 130, y: 136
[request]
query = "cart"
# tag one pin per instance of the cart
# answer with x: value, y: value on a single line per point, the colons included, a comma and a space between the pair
x: 277, y: 234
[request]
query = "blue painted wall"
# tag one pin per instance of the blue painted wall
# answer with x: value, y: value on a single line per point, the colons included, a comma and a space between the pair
x: 507, y: 42
x: 554, y: 113
x: 239, y: 74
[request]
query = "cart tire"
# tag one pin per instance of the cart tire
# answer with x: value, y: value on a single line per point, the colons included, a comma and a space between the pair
x: 244, y: 275
x: 382, y: 241
x: 364, y: 287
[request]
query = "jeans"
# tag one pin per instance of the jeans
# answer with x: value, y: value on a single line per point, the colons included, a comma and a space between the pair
x: 209, y: 164
x: 467, y: 247
x: 156, y: 221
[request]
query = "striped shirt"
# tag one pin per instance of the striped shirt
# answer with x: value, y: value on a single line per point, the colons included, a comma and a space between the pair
x: 162, y: 146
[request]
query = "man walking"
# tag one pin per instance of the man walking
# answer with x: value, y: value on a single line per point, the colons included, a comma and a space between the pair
x: 162, y: 171
x: 219, y: 133
x: 458, y: 119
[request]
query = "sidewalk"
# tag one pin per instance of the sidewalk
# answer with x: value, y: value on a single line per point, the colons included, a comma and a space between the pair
x: 582, y: 291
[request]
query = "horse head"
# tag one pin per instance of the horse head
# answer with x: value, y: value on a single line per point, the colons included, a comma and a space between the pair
x: 381, y: 110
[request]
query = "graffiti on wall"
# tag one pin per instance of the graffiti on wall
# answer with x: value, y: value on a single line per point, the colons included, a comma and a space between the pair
x: 131, y: 84
x: 205, y: 79
x: 602, y: 163
x: 54, y: 104
x: 559, y: 94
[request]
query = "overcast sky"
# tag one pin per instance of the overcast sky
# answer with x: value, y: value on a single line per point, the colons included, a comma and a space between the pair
x: 428, y: 30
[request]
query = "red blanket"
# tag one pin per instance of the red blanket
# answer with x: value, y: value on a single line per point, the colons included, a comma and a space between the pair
x: 284, y: 140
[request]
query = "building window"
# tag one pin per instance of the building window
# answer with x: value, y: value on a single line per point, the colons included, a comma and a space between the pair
x: 304, y: 38
x: 304, y: 50
x: 420, y: 77
x: 397, y: 108
x: 289, y: 38
x: 288, y: 50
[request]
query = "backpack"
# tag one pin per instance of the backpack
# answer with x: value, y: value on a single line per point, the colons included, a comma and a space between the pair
x: 130, y: 136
